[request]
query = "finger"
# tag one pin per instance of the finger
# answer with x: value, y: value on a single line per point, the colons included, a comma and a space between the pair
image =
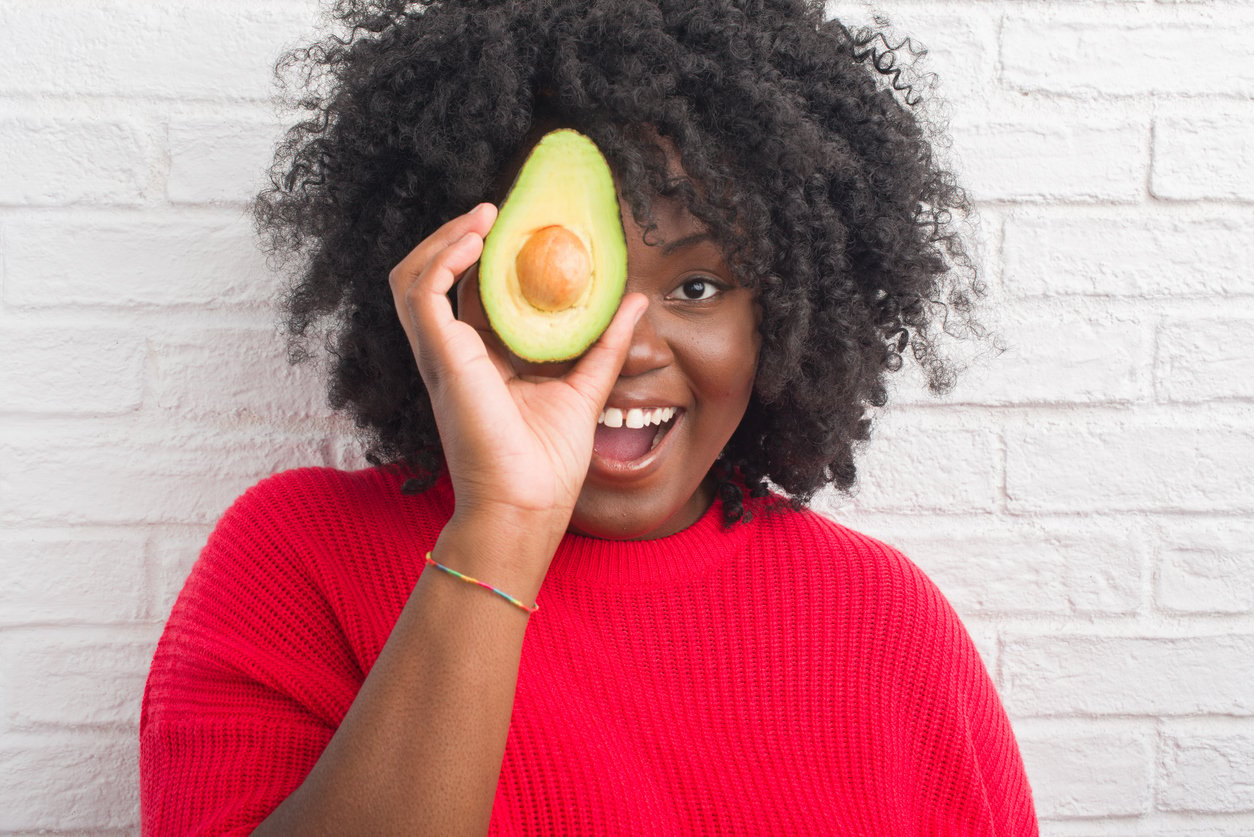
x: 439, y: 340
x: 420, y: 283
x: 594, y: 374
x: 502, y: 359
x: 478, y: 220
x: 426, y: 298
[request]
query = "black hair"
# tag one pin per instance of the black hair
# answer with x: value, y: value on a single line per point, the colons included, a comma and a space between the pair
x: 805, y: 151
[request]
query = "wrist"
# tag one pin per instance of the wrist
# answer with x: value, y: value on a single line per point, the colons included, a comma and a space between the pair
x: 507, y: 550
x: 478, y: 582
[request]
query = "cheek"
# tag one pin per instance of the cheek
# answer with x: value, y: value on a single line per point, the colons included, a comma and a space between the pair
x: 724, y: 363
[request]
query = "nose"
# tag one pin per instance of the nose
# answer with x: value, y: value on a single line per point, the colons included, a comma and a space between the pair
x: 650, y: 349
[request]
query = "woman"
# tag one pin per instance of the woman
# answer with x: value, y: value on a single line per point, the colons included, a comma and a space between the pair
x: 707, y: 657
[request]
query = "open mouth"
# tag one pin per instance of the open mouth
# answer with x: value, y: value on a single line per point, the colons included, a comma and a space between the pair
x: 628, y: 435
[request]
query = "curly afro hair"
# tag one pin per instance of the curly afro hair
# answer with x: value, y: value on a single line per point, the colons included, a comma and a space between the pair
x: 804, y: 154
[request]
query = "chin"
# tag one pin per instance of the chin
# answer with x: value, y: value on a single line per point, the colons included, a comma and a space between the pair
x: 614, y: 528
x: 617, y: 515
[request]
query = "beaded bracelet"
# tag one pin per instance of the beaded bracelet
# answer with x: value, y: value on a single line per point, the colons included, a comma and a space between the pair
x: 528, y: 609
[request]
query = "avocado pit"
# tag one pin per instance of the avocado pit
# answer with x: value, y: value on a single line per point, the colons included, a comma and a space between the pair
x: 554, y: 265
x: 554, y: 268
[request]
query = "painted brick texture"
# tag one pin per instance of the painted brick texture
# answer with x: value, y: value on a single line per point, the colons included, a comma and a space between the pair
x: 1084, y: 498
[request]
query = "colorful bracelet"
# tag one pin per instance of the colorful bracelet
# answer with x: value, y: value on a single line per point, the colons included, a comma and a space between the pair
x: 528, y: 609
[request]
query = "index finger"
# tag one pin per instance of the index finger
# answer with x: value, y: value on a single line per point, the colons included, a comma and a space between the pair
x: 478, y: 220
x: 421, y: 281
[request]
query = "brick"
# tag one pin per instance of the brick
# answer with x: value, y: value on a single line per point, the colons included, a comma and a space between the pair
x: 215, y: 50
x: 1206, y: 359
x: 1084, y: 467
x: 1206, y: 569
x: 64, y: 782
x: 930, y: 470
x: 54, y: 579
x: 47, y: 162
x: 1008, y: 571
x: 960, y: 50
x: 959, y: 47
x: 1207, y: 772
x: 137, y: 477
x: 75, y: 678
x: 347, y: 450
x: 1128, y: 254
x: 71, y: 369
x: 1126, y: 58
x: 1121, y: 675
x: 1085, y: 773
x: 153, y: 261
x: 1200, y: 158
x: 235, y: 371
x: 215, y: 161
x: 1074, y: 157
x: 1038, y: 367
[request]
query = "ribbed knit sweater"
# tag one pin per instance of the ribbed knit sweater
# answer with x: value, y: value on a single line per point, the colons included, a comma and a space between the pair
x: 782, y: 676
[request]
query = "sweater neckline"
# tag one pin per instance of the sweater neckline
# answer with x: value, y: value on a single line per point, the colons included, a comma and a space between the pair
x: 585, y: 561
x: 658, y: 562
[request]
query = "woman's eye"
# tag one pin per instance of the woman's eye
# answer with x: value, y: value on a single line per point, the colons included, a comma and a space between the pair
x: 695, y: 289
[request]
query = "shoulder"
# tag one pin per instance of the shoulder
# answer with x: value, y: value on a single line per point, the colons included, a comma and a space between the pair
x: 260, y: 562
x: 302, y: 543
x: 865, y: 588
x: 317, y: 489
x: 321, y: 505
x: 320, y: 532
x: 904, y: 650
x: 280, y: 586
x: 821, y: 546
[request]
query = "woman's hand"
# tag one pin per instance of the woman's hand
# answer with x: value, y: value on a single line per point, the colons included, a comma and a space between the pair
x: 517, y: 448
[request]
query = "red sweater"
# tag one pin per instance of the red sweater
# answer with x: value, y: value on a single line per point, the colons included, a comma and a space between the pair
x: 783, y: 676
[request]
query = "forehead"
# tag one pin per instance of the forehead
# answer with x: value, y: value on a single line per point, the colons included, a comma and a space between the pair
x: 672, y: 224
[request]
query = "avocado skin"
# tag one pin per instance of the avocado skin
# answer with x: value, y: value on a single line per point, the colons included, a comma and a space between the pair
x: 565, y: 181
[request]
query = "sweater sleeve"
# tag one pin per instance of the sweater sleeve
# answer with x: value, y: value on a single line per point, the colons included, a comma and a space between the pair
x: 969, y: 776
x: 249, y: 681
x: 988, y: 774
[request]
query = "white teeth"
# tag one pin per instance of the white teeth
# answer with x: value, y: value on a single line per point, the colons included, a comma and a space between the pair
x: 636, y: 417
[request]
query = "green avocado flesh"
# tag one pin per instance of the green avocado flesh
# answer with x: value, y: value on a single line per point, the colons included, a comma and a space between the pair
x: 565, y: 183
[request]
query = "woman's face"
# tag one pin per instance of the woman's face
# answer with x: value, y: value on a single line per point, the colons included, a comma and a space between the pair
x: 693, y: 353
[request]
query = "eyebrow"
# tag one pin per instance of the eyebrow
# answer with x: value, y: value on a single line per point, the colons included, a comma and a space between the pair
x: 687, y: 241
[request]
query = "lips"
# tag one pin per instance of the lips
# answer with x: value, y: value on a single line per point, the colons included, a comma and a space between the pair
x: 624, y: 436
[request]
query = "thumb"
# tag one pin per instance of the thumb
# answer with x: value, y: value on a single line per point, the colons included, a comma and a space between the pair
x: 594, y: 374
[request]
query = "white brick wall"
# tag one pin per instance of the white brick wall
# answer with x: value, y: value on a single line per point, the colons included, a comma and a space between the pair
x: 1084, y: 499
x: 1200, y: 157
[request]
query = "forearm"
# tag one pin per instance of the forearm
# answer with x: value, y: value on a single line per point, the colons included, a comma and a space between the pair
x: 420, y: 749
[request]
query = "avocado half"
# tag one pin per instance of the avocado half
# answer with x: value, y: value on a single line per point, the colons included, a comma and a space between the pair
x: 554, y: 265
